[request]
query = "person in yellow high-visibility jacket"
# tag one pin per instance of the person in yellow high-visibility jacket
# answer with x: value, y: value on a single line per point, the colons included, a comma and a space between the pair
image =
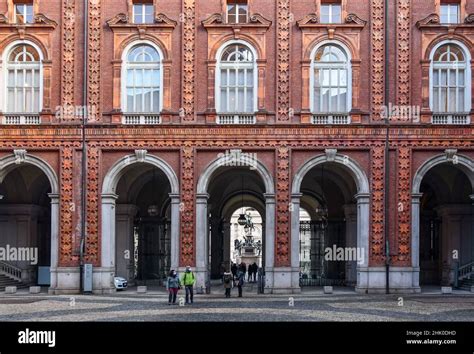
x: 188, y: 279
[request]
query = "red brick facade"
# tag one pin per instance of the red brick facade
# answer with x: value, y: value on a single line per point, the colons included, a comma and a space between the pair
x: 189, y: 33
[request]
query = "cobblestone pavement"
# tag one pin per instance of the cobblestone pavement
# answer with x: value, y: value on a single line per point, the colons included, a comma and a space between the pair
x: 308, y: 306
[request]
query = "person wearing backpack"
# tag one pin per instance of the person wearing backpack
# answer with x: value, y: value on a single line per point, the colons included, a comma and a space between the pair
x: 188, y: 281
x: 228, y: 283
x: 173, y: 285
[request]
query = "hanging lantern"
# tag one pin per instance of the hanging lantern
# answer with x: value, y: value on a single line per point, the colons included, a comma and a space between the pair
x: 242, y: 220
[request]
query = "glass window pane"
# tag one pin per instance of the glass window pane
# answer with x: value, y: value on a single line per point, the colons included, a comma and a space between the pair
x: 36, y: 100
x: 241, y: 77
x: 20, y: 101
x: 232, y: 101
x: 435, y: 77
x: 436, y: 100
x: 232, y: 77
x: 333, y: 78
x: 130, y: 77
x: 156, y: 101
x: 317, y: 78
x: 325, y: 77
x: 11, y: 78
x: 28, y: 100
x: 336, y: 13
x: 461, y: 107
x: 147, y: 81
x: 156, y: 78
x: 130, y: 96
x: 444, y: 99
x: 11, y: 100
x: 249, y: 107
x: 223, y: 100
x: 139, y: 100
x: 138, y: 78
x: 241, y: 101
x: 29, y: 78
x: 334, y: 97
x: 444, y: 14
x: 147, y: 94
x: 325, y: 97
x: 343, y: 78
x: 36, y: 78
x: 250, y: 77
x: 20, y: 79
x: 444, y: 77
x: 452, y: 100
x: 452, y: 77
x: 461, y: 77
x: 343, y: 100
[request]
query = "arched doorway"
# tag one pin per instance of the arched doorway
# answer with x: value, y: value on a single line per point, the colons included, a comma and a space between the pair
x: 140, y: 220
x: 443, y: 228
x: 28, y: 220
x: 231, y: 182
x: 333, y: 192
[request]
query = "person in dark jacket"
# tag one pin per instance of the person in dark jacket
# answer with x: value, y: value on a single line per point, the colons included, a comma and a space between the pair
x: 240, y: 279
x: 173, y: 285
x: 233, y: 269
x: 228, y: 281
x: 255, y: 270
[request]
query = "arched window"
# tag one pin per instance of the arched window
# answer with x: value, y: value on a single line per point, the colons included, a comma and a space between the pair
x: 142, y: 90
x: 236, y: 80
x: 450, y: 79
x: 331, y: 78
x: 23, y: 80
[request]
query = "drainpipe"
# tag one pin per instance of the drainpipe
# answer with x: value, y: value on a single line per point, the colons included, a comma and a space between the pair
x: 387, y: 154
x: 85, y: 113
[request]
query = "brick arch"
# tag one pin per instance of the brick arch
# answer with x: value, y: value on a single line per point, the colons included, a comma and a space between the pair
x: 27, y: 38
x: 242, y: 37
x: 451, y: 38
x: 137, y: 38
x: 353, y: 52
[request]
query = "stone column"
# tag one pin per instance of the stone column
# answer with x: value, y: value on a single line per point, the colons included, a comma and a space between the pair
x: 350, y: 214
x: 227, y: 243
x: 269, y: 239
x: 54, y: 239
x: 202, y: 262
x: 175, y: 227
x: 295, y: 239
x: 363, y: 204
x: 108, y: 243
x: 415, y: 238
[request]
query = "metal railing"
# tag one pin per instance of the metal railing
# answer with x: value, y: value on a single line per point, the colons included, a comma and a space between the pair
x: 331, y: 118
x: 141, y: 119
x: 239, y: 118
x: 451, y: 118
x: 10, y: 270
x: 21, y: 119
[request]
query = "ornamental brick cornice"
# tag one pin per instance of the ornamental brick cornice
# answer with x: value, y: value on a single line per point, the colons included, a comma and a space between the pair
x: 41, y: 22
x: 122, y: 21
x: 312, y: 21
x: 217, y: 20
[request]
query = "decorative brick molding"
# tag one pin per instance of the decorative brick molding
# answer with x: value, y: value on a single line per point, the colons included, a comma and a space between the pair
x: 403, y: 52
x: 67, y: 208
x: 403, y: 207
x: 377, y: 56
x: 94, y: 60
x: 187, y: 240
x: 92, y: 207
x: 188, y: 60
x: 283, y: 61
x: 282, y: 246
x: 68, y: 55
x: 377, y: 180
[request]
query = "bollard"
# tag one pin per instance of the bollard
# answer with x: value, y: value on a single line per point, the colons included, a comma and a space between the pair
x: 446, y: 290
x: 328, y: 289
x: 141, y: 289
x: 35, y: 289
x: 10, y: 290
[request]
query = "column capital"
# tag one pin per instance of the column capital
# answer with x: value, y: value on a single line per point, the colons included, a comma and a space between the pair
x: 109, y: 198
x: 296, y: 196
x: 415, y: 197
x: 54, y: 197
x: 269, y: 197
x: 201, y: 196
x: 174, y: 198
x: 362, y: 197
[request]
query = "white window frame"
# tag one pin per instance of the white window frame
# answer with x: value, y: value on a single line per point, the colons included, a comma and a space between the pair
x: 218, y: 76
x: 24, y: 6
x: 143, y: 10
x: 348, y: 67
x: 125, y: 68
x: 237, y: 8
x: 467, y: 74
x: 4, y: 66
x: 331, y: 15
x: 450, y: 7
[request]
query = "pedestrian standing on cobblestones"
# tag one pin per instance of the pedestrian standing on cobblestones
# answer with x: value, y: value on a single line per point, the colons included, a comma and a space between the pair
x: 173, y: 285
x: 240, y: 279
x: 188, y: 282
x: 228, y: 283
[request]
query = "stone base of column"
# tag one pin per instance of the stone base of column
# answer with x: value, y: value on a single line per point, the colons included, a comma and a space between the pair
x: 282, y: 280
x: 202, y: 276
x: 64, y: 280
x: 403, y: 280
x: 103, y: 280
